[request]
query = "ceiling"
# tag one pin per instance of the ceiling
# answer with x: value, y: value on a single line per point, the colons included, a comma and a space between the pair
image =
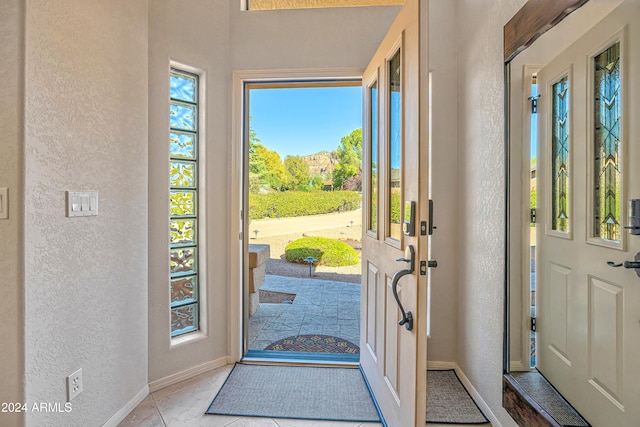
x: 307, y: 4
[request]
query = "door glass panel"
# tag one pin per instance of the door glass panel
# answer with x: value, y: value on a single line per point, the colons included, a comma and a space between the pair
x: 395, y: 146
x: 373, y: 172
x: 608, y: 169
x: 560, y: 161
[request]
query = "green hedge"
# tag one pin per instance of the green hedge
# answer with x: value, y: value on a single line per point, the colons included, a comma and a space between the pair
x: 330, y: 252
x: 300, y: 203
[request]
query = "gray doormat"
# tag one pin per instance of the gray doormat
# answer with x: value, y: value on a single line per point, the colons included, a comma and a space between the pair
x: 448, y: 402
x: 540, y: 390
x: 301, y: 392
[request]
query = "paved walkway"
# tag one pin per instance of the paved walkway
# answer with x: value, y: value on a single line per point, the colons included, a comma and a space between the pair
x: 277, y: 226
x: 320, y: 307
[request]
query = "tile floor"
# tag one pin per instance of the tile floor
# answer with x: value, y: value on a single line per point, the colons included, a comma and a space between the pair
x: 184, y: 404
x: 320, y: 307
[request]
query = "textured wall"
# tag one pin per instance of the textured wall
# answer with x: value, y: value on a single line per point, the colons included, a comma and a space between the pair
x: 444, y: 177
x: 11, y: 161
x: 194, y: 33
x: 481, y: 194
x: 323, y: 38
x: 218, y: 38
x: 85, y: 278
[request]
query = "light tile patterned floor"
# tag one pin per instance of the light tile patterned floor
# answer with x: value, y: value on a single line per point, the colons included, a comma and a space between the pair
x: 320, y: 307
x: 184, y: 404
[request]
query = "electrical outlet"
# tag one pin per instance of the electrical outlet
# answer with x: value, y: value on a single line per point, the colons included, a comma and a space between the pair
x: 74, y: 385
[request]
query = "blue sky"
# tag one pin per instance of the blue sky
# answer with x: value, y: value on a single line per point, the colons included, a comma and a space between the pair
x: 302, y: 121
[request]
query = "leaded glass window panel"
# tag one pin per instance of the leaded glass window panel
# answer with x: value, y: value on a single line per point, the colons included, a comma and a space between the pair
x: 560, y: 179
x: 183, y: 197
x: 395, y: 146
x: 607, y: 145
x: 373, y: 172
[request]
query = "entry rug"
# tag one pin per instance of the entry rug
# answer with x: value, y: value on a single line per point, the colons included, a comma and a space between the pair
x: 301, y: 392
x: 540, y: 390
x: 314, y: 343
x: 448, y: 402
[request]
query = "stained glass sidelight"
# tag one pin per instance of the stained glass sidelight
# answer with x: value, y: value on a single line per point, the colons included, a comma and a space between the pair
x: 183, y: 197
x: 373, y: 173
x: 607, y: 145
x: 560, y: 157
x: 395, y: 146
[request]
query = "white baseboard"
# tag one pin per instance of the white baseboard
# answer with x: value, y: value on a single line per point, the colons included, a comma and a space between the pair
x: 517, y: 366
x: 188, y: 373
x: 477, y: 398
x: 441, y: 366
x: 126, y: 409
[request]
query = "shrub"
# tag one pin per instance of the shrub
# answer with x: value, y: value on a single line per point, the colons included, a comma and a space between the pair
x: 330, y: 252
x: 300, y: 203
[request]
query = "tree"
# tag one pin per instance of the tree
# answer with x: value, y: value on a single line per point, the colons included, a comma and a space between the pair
x: 257, y: 167
x: 274, y: 173
x: 297, y: 172
x: 349, y: 158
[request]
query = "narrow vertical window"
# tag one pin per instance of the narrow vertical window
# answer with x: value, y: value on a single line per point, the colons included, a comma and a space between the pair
x: 395, y: 146
x: 183, y: 201
x: 560, y: 160
x: 607, y: 146
x: 373, y: 149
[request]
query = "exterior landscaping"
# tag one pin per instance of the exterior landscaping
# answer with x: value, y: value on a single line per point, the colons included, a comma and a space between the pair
x: 323, y: 250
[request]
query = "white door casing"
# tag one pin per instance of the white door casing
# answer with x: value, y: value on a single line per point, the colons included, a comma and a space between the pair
x: 393, y: 358
x: 589, y: 313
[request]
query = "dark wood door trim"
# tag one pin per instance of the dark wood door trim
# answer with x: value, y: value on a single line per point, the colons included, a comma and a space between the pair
x: 532, y: 20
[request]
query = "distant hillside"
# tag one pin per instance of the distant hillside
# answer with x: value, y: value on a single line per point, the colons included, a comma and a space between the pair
x: 321, y: 163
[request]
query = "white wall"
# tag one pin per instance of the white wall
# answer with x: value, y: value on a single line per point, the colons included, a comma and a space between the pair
x: 444, y: 178
x: 85, y: 278
x: 215, y: 36
x: 11, y: 261
x: 194, y: 33
x: 306, y: 38
x: 481, y: 181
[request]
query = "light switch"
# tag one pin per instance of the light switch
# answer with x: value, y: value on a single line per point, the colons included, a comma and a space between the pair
x: 82, y: 203
x: 4, y: 203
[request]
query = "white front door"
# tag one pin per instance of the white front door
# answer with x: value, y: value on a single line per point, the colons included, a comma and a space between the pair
x: 393, y: 355
x: 589, y: 312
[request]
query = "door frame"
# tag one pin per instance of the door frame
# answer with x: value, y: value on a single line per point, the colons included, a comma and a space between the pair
x: 238, y: 188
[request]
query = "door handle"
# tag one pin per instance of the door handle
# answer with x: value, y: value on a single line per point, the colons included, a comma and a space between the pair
x: 635, y: 264
x: 407, y: 317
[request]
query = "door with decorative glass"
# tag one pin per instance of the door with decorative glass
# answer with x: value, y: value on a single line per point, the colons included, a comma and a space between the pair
x: 588, y: 317
x: 393, y: 297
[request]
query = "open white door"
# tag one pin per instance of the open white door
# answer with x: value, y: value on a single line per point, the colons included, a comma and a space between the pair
x: 588, y: 318
x: 393, y: 355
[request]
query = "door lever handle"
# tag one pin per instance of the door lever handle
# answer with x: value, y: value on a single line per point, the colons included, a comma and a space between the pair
x: 635, y: 264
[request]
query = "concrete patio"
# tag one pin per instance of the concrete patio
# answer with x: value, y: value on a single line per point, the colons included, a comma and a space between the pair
x: 320, y: 307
